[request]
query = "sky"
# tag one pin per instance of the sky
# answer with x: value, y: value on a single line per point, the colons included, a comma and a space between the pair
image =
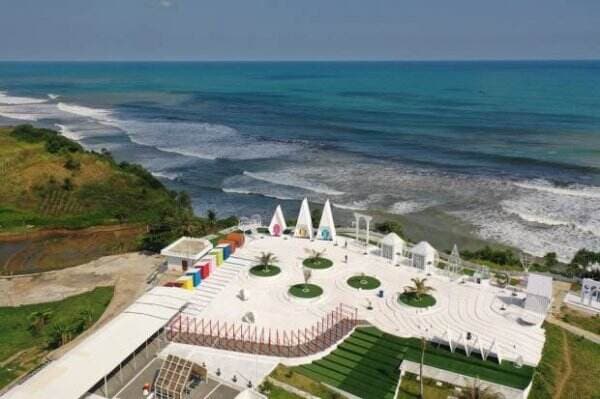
x: 299, y: 29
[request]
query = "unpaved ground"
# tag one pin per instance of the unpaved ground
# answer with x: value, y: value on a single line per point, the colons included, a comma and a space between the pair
x: 127, y: 272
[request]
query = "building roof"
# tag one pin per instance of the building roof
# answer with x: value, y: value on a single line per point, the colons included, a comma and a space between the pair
x: 77, y: 371
x: 539, y: 284
x: 188, y: 247
x: 424, y: 249
x: 393, y: 239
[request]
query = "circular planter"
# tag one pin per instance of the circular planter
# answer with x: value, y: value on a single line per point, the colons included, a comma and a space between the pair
x: 363, y: 282
x: 426, y: 300
x: 305, y: 290
x: 260, y: 271
x: 320, y: 263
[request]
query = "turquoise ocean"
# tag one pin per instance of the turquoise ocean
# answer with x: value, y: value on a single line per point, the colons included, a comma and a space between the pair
x: 510, y: 148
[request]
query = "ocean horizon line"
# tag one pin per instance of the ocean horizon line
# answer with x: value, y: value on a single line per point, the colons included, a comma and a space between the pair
x: 332, y: 60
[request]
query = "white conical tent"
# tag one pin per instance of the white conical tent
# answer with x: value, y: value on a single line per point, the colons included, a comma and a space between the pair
x: 326, y: 225
x: 424, y: 256
x: 304, y: 227
x: 392, y: 245
x: 277, y: 225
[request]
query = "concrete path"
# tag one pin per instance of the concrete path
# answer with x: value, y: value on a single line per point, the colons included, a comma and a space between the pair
x: 590, y: 336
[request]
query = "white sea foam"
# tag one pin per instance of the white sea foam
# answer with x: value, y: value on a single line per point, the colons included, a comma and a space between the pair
x: 13, y: 100
x: 165, y: 175
x: 573, y: 190
x: 285, y: 178
x: 53, y: 96
x: 251, y: 192
x: 67, y: 132
x: 97, y: 114
x: 410, y: 206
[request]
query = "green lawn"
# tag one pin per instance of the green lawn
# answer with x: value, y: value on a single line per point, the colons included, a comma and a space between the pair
x: 302, y: 382
x: 305, y: 290
x: 410, y: 299
x: 363, y: 282
x: 317, y: 263
x: 73, y: 314
x: 367, y: 364
x: 260, y: 271
x: 582, y: 320
x: 409, y: 388
x: 560, y: 349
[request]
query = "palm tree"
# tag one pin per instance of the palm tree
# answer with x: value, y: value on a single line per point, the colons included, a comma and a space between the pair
x: 476, y: 391
x: 419, y: 288
x: 314, y: 254
x: 87, y: 316
x: 266, y: 259
x: 307, y: 273
x: 38, y: 320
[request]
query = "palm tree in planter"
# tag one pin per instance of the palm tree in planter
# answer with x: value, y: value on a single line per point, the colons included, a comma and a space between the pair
x: 476, y: 391
x: 266, y: 259
x: 419, y: 288
x: 314, y: 254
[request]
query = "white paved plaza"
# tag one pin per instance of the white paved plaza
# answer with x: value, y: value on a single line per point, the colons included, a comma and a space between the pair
x: 460, y: 308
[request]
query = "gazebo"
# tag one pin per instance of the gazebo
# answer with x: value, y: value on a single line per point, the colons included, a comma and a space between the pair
x: 424, y: 257
x: 392, y: 245
x: 277, y: 225
x: 304, y: 226
x: 326, y: 225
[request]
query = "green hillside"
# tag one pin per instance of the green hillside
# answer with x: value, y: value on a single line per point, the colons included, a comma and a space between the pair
x: 50, y: 181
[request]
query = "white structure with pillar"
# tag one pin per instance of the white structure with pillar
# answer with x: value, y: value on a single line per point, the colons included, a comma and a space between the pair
x: 367, y: 219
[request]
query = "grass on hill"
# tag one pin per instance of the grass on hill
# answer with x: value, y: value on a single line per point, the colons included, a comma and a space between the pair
x: 27, y: 332
x: 409, y: 388
x: 289, y: 376
x: 51, y: 181
x: 582, y: 320
x: 569, y: 368
x: 367, y: 364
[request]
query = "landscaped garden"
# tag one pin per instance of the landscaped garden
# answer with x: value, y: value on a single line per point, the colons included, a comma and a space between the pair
x: 317, y: 261
x: 367, y: 364
x: 303, y: 290
x: 28, y: 332
x: 265, y: 267
x: 417, y: 295
x: 363, y: 282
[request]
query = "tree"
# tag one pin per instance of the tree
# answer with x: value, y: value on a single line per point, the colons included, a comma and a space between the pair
x: 212, y: 217
x: 476, y: 391
x: 60, y: 335
x: 307, y: 274
x: 419, y: 288
x: 315, y: 216
x: 389, y: 227
x: 314, y: 254
x: 87, y: 316
x: 266, y: 259
x: 550, y: 260
x: 38, y: 320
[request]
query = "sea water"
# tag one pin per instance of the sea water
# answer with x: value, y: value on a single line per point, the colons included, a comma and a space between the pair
x: 511, y: 148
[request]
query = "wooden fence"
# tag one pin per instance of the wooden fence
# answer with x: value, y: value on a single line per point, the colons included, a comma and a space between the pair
x: 249, y: 338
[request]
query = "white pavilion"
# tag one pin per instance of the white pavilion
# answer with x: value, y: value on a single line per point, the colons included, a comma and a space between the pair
x: 424, y: 257
x: 392, y: 246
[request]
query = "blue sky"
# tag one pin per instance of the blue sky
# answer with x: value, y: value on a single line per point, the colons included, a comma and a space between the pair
x: 298, y: 29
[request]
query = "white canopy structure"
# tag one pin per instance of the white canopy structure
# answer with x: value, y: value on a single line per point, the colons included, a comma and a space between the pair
x: 392, y: 245
x: 424, y: 256
x: 326, y: 225
x: 278, y: 224
x: 539, y: 296
x: 304, y: 227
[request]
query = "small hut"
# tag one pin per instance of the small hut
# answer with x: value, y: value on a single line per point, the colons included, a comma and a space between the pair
x: 424, y: 257
x: 392, y: 246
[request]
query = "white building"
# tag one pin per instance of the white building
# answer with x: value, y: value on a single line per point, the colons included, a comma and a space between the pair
x: 277, y: 225
x: 326, y: 225
x: 392, y: 246
x: 538, y: 299
x: 424, y: 257
x: 304, y: 226
x: 183, y: 253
